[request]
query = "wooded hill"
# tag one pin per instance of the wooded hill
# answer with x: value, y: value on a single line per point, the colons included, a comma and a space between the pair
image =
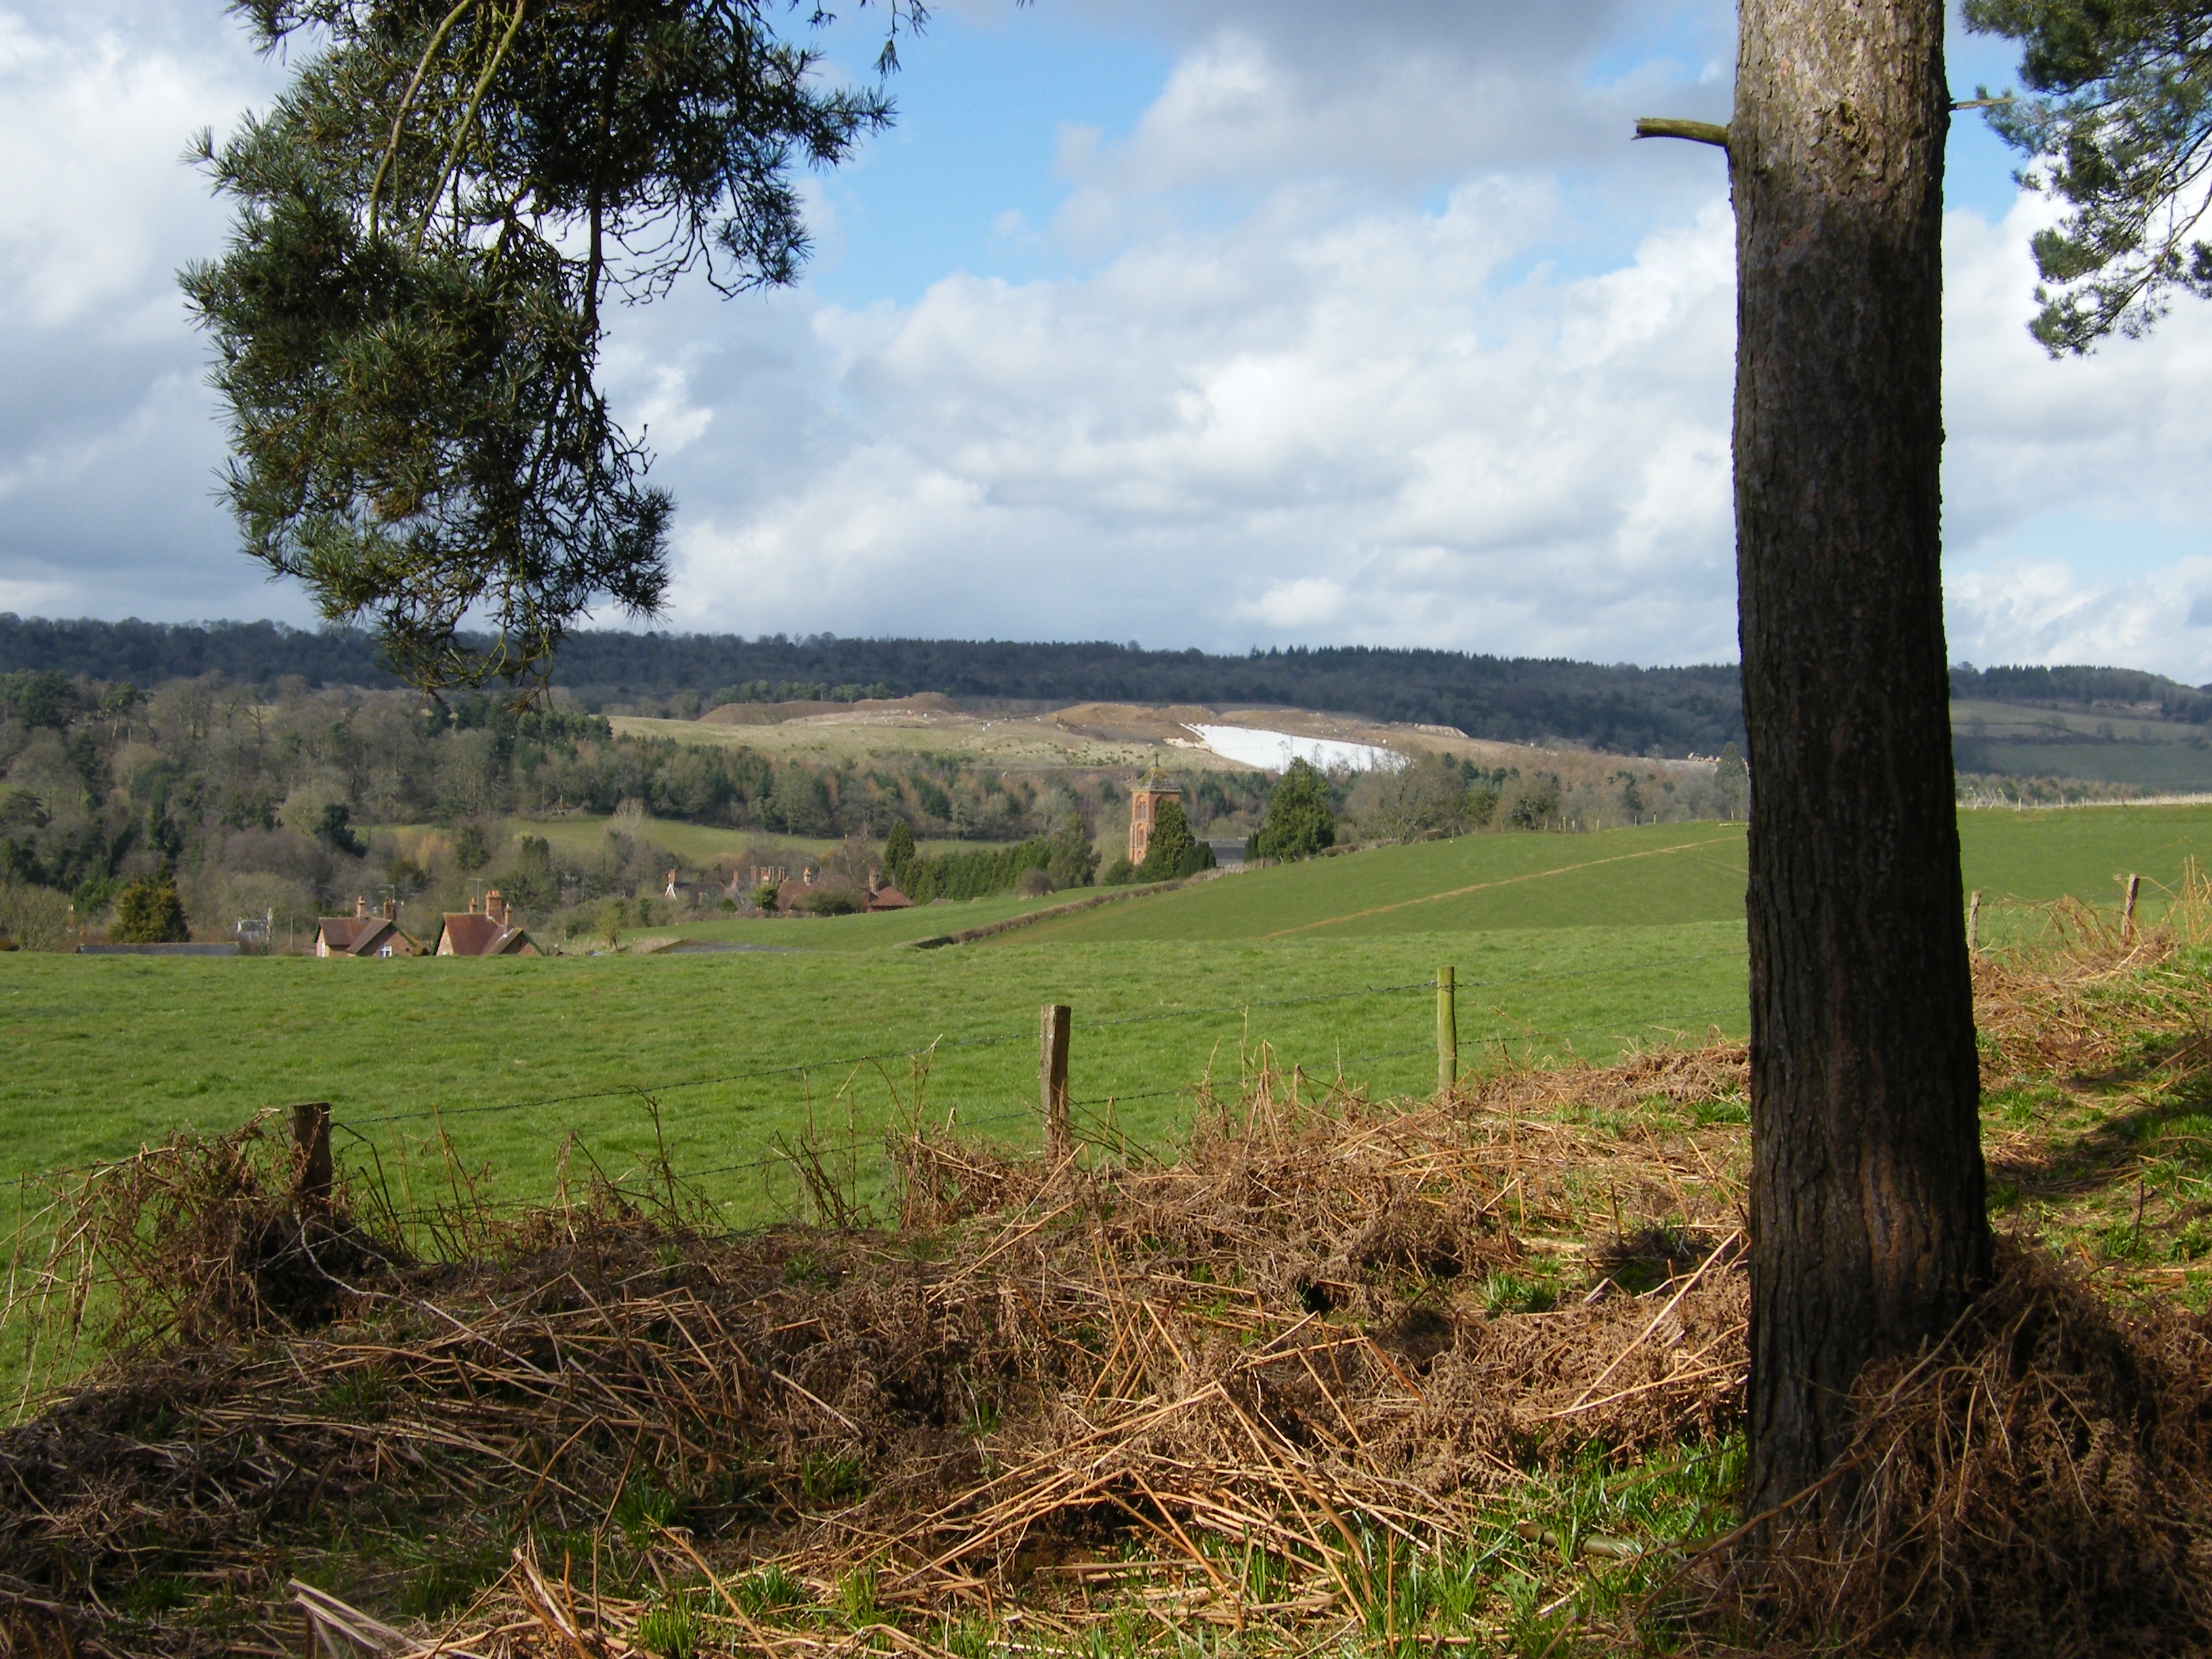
x: 1629, y: 710
x: 1622, y: 708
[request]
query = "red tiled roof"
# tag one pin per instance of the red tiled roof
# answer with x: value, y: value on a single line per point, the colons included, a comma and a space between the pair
x: 888, y: 898
x: 365, y: 936
x: 470, y: 934
x: 340, y: 932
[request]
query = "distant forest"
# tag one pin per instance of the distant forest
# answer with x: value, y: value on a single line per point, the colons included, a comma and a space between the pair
x: 2131, y: 689
x: 1620, y: 709
x: 1627, y: 710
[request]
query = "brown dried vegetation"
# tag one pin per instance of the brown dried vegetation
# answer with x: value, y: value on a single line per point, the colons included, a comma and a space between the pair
x: 1258, y: 1397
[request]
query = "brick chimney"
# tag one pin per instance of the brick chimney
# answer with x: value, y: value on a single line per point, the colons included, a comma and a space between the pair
x: 391, y: 910
x: 495, y: 907
x: 360, y: 907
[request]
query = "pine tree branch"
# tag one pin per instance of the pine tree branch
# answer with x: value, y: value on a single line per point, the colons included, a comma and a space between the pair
x: 454, y: 153
x: 406, y: 99
x: 1698, y: 132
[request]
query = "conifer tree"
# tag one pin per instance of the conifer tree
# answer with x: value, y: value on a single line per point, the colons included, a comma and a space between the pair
x: 408, y: 318
x: 1298, y: 823
x: 1171, y: 842
x: 149, y: 913
x: 2121, y: 132
x: 1074, y: 859
x: 898, y: 853
x: 1868, y: 1228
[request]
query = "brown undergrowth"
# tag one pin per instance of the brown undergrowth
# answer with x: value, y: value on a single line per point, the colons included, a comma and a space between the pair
x: 2038, y: 1483
x: 1397, y: 1378
x: 1326, y: 1326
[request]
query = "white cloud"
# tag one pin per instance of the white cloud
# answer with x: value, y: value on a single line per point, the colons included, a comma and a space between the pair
x: 1370, y: 327
x: 2119, y: 432
x: 2112, y: 447
x: 109, y: 443
x: 30, y: 598
x: 1307, y: 428
x: 1308, y: 602
x: 2040, y: 612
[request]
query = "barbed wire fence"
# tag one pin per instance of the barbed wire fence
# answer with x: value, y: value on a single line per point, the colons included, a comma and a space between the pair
x: 1089, y: 1117
x: 417, y: 1190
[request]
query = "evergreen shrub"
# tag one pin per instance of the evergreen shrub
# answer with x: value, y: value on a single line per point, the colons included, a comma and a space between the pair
x: 149, y: 913
x: 1299, y: 823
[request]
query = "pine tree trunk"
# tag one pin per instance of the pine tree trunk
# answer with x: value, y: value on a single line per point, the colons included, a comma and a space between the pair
x: 1868, y: 1230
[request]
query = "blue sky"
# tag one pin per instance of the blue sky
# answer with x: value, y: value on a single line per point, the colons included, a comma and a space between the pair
x: 982, y: 106
x: 1215, y: 322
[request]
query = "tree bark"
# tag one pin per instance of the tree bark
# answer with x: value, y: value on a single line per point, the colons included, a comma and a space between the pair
x: 1868, y: 1228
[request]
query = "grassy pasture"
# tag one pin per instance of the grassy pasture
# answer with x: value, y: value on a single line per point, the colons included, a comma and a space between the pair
x: 1560, y: 1217
x: 577, y: 836
x: 1580, y: 945
x: 98, y: 1054
x: 2028, y: 859
x: 2151, y: 754
x: 1660, y: 876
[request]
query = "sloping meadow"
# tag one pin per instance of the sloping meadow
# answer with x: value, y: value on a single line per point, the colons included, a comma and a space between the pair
x: 1403, y: 1377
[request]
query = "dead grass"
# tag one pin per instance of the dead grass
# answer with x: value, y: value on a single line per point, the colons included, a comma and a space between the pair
x: 2040, y: 1482
x: 1390, y: 1377
x: 1328, y: 1323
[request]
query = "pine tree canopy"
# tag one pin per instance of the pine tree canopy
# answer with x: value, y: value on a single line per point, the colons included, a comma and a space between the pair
x: 1299, y: 823
x: 898, y: 851
x: 2121, y: 133
x: 408, y: 317
x: 1170, y: 840
x: 149, y: 913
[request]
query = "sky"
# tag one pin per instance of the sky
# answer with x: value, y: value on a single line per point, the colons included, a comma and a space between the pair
x: 1195, y: 323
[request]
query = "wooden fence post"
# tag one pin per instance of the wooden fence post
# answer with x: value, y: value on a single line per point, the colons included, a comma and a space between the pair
x: 1446, y: 1031
x: 1973, y: 920
x: 2128, y: 910
x: 311, y: 1135
x: 1052, y: 1077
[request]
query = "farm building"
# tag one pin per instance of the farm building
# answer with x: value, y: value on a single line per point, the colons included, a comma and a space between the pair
x: 365, y: 933
x: 490, y: 932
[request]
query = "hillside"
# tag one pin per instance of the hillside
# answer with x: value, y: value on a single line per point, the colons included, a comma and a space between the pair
x: 2114, y: 726
x: 2105, y: 741
x: 1112, y: 736
x: 1623, y: 708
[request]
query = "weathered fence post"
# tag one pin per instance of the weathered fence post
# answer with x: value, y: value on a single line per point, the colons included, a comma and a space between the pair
x: 1446, y: 1031
x: 2128, y: 910
x: 1973, y: 920
x: 1052, y: 1077
x: 311, y: 1135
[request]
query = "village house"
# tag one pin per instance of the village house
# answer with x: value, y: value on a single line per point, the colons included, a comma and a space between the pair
x: 490, y: 932
x: 365, y: 933
x: 698, y: 895
x: 882, y: 896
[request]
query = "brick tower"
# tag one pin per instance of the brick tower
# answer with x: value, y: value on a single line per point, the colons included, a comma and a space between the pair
x: 1144, y: 806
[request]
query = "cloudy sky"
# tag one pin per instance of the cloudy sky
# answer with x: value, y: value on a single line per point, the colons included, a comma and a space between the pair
x: 1205, y: 323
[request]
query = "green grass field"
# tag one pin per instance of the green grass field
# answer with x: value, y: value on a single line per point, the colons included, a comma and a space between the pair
x: 99, y: 1054
x: 577, y: 836
x: 1562, y: 945
x: 2029, y: 742
x: 2028, y: 859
